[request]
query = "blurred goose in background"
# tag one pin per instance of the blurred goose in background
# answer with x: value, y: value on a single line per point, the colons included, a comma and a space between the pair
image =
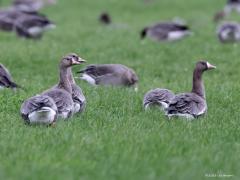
x: 77, y: 94
x: 232, y: 5
x: 229, y: 32
x: 166, y: 31
x: 109, y: 74
x: 158, y: 97
x: 62, y: 92
x: 25, y: 24
x: 6, y: 79
x: 32, y: 5
x: 39, y: 109
x: 32, y: 26
x: 105, y: 18
x: 191, y: 105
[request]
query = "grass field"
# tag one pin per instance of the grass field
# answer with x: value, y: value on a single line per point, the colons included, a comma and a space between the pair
x: 114, y: 138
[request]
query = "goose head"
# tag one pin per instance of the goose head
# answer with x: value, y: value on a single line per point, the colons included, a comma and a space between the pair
x: 71, y: 60
x: 143, y: 33
x: 105, y: 18
x: 204, y: 66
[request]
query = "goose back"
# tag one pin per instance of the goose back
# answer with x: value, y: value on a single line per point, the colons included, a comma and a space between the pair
x: 39, y: 109
x: 158, y: 97
x: 188, y: 105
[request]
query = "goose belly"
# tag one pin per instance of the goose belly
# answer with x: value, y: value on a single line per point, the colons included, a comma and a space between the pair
x: 35, y: 31
x: 44, y: 116
x: 76, y: 107
x: 175, y: 35
x: 88, y: 78
x: 2, y: 87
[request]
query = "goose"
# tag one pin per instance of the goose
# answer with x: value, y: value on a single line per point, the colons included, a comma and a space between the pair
x: 62, y: 92
x: 39, y: 109
x: 32, y: 25
x: 166, y: 31
x: 78, y: 97
x: 32, y: 5
x: 6, y: 79
x: 105, y: 18
x: 193, y: 104
x: 158, y: 97
x: 109, y: 74
x: 229, y: 32
x: 25, y: 24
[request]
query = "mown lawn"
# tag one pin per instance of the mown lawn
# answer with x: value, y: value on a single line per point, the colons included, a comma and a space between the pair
x: 114, y: 138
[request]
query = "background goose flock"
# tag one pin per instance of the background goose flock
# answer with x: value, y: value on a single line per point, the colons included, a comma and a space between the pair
x: 137, y: 73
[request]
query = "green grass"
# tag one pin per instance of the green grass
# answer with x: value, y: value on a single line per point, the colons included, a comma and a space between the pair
x: 114, y: 138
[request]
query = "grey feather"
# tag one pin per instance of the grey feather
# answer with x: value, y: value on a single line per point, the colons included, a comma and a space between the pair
x: 158, y: 97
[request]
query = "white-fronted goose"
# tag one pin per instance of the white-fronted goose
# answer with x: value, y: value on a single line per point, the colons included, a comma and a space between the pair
x: 166, y: 31
x: 109, y: 74
x: 62, y: 93
x: 6, y: 79
x: 229, y: 32
x: 39, y: 109
x: 77, y: 94
x: 191, y: 105
x: 158, y: 97
x: 32, y: 5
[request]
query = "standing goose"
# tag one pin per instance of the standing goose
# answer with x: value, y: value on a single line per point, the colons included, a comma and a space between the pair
x: 158, y: 97
x: 109, y: 74
x: 77, y: 94
x: 39, y: 109
x: 6, y: 79
x: 62, y: 93
x: 229, y: 32
x: 191, y: 105
x: 166, y: 31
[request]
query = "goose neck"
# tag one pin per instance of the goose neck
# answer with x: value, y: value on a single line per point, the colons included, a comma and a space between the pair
x: 197, y: 84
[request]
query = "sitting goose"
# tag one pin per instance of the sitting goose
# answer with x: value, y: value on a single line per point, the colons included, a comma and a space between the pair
x: 39, y: 109
x: 32, y: 25
x: 77, y: 94
x: 229, y: 32
x: 158, y: 97
x: 62, y: 93
x: 109, y: 74
x: 166, y: 31
x: 191, y: 105
x: 6, y: 79
x: 32, y: 5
